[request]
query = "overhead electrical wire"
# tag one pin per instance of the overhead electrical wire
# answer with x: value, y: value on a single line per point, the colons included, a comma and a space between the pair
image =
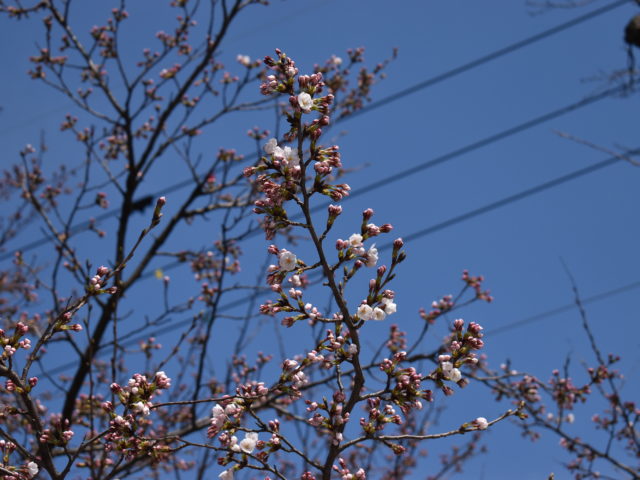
x: 564, y: 308
x: 447, y: 223
x: 458, y: 152
x: 528, y: 124
x: 409, y: 91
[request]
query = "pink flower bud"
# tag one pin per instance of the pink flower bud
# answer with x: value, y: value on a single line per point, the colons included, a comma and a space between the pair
x: 335, y: 210
x: 102, y: 270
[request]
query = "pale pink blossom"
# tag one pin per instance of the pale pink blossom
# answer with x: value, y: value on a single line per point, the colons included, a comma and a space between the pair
x: 389, y: 307
x: 481, y: 423
x: 270, y: 146
x: 226, y: 475
x: 244, y: 60
x: 287, y: 260
x: 365, y: 312
x: 355, y: 240
x: 372, y: 256
x: 33, y: 469
x: 378, y: 314
x: 248, y: 443
x: 305, y: 101
x: 291, y: 156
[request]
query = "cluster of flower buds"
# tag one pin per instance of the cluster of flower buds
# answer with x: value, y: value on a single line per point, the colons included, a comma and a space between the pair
x: 462, y: 346
x: 397, y: 339
x: 379, y: 417
x: 338, y: 347
x: 101, y: 200
x: 62, y: 322
x: 137, y: 394
x: 282, y: 80
x: 10, y: 385
x: 11, y: 344
x: 476, y: 284
x: 565, y: 393
x: 97, y: 282
x: 257, y: 134
x: 126, y: 431
x: 293, y: 377
x: 438, y: 307
x: 345, y: 472
x: 167, y: 73
x: 10, y: 472
x: 225, y: 415
x: 114, y: 145
x: 604, y: 372
x: 58, y: 433
x: 525, y: 389
x: 334, y: 418
x: 252, y: 391
x: 407, y: 392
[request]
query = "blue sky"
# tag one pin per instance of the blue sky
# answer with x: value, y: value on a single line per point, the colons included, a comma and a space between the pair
x: 591, y: 223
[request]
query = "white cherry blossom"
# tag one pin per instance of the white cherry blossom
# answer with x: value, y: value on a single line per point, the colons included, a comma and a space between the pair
x: 287, y: 260
x: 305, y: 101
x: 365, y: 312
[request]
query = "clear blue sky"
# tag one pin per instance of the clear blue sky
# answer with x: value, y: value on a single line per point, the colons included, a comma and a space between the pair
x: 591, y: 222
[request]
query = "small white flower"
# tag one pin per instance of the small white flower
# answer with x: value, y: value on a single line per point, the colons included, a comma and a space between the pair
x: 336, y: 60
x: 244, y: 60
x: 231, y: 409
x: 352, y: 349
x: 270, y: 146
x: 446, y: 368
x: 33, y: 469
x: 278, y: 153
x: 217, y: 411
x: 571, y: 418
x: 355, y: 240
x: 389, y: 307
x: 287, y: 260
x: 233, y: 444
x: 248, y: 443
x: 372, y: 256
x: 291, y: 156
x: 226, y: 475
x: 365, y: 312
x: 140, y: 407
x: 455, y: 375
x: 481, y: 423
x: 305, y: 101
x: 378, y: 314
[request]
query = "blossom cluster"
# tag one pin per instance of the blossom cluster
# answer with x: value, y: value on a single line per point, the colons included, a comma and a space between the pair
x: 125, y: 429
x: 26, y: 471
x: 462, y: 347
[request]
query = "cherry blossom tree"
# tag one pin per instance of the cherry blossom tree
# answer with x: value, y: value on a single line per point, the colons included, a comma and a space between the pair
x: 345, y: 403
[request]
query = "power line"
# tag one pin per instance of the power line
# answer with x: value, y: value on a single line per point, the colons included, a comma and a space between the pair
x: 492, y: 56
x: 521, y: 127
x: 428, y: 231
x: 475, y: 212
x: 562, y: 309
x: 507, y: 200
x: 413, y: 89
